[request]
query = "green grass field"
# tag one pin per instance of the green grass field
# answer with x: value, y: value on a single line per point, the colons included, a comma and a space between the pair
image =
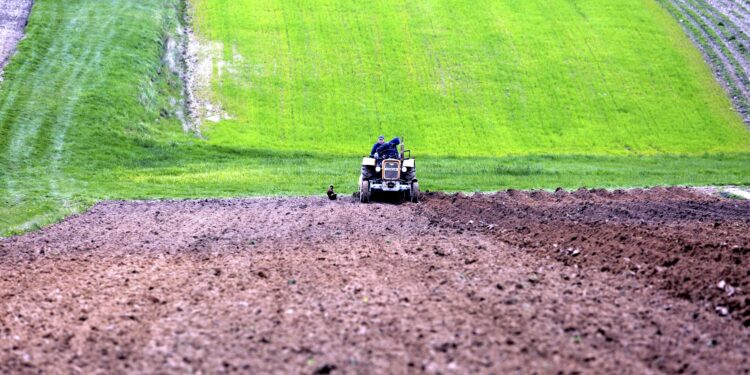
x: 488, y: 78
x: 489, y: 95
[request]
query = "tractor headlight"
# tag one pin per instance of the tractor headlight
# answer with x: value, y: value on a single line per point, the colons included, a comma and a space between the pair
x: 377, y: 169
x: 403, y: 169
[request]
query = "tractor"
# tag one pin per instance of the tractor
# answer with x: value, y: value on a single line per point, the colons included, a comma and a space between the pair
x: 393, y: 174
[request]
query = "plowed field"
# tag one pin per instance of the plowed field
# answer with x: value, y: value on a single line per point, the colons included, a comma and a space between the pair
x: 651, y: 281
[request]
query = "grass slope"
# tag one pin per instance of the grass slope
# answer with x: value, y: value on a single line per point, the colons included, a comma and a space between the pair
x: 81, y: 96
x: 526, y: 94
x: 487, y: 78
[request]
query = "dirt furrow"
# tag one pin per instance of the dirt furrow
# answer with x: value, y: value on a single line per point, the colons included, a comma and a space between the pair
x: 730, y: 6
x: 685, y: 245
x: 730, y: 10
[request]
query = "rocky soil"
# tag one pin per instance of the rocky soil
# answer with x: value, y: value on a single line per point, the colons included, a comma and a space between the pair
x: 651, y: 281
x: 13, y: 17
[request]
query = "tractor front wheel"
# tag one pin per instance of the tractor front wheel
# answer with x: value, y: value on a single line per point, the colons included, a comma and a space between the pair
x: 364, y: 192
x: 414, y: 192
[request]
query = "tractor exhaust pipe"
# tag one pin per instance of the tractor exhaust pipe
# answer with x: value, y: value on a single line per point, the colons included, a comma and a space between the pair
x: 402, y: 146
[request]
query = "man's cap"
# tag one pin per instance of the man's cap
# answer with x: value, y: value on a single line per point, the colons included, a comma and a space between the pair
x: 381, y: 137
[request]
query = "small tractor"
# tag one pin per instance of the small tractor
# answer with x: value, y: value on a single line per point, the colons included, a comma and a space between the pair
x: 393, y: 174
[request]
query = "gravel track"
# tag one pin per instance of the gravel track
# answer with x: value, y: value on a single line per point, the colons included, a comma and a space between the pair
x: 452, y: 285
x: 14, y: 15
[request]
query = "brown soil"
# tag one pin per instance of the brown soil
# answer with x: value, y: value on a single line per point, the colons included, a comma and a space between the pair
x: 452, y: 285
x: 13, y: 17
x: 683, y: 242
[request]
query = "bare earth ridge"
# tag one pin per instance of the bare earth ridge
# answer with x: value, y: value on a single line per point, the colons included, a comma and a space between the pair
x: 13, y: 17
x: 593, y: 281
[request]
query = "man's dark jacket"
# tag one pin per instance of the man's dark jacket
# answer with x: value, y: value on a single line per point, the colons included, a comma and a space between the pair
x: 387, y: 149
x: 374, y: 148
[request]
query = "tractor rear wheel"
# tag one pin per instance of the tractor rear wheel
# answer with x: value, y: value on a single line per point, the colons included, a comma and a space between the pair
x: 364, y: 192
x: 410, y: 174
x: 414, y: 193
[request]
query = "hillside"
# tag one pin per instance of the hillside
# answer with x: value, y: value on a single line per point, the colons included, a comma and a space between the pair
x: 532, y: 94
x: 467, y: 79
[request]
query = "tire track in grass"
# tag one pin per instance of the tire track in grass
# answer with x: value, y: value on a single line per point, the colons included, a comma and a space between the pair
x: 19, y: 150
x: 7, y: 102
x: 22, y: 133
x: 460, y: 87
x: 567, y: 41
x: 647, y: 115
x: 590, y: 83
x: 284, y: 57
x: 493, y: 50
x: 517, y: 97
x: 64, y: 116
x: 411, y: 69
x: 500, y: 98
x: 366, y: 58
x: 76, y: 81
x: 46, y: 133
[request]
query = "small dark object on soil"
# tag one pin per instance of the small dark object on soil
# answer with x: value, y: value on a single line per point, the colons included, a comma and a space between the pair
x: 331, y: 194
x: 325, y: 369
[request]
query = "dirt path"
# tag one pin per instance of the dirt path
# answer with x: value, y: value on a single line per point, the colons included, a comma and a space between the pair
x: 452, y: 285
x: 13, y: 17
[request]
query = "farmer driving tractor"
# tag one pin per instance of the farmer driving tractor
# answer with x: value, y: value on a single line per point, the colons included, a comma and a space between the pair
x: 382, y: 150
x: 381, y: 140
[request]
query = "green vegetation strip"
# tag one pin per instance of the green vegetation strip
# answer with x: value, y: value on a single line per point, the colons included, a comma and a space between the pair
x: 490, y: 95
